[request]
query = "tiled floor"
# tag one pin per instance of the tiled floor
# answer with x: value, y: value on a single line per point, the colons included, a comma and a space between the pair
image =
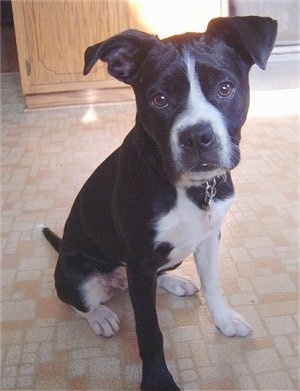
x: 47, y: 156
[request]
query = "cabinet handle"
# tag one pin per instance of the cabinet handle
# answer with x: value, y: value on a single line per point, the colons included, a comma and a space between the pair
x: 28, y: 67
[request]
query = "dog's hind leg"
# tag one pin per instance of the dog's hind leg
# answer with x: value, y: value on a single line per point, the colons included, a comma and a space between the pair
x: 83, y: 286
x: 102, y: 320
x: 98, y: 289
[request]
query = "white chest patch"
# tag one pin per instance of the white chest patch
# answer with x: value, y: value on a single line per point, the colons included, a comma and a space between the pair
x: 186, y: 226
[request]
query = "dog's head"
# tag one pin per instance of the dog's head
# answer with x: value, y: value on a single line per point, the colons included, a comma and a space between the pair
x: 191, y: 90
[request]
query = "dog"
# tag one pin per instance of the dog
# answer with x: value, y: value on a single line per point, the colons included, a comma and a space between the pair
x: 163, y: 194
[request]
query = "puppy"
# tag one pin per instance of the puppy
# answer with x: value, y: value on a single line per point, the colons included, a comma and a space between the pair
x: 164, y: 192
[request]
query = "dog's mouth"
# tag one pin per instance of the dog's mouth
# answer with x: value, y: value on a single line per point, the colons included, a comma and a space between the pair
x: 201, y: 166
x: 204, y: 167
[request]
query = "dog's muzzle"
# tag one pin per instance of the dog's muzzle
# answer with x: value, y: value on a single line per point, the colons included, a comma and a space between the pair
x: 197, y: 138
x: 200, y: 148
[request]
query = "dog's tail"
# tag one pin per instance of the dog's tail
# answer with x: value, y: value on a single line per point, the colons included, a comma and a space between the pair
x: 52, y: 238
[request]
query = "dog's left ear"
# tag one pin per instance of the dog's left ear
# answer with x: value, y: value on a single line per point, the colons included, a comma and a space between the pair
x: 124, y: 53
x: 253, y: 36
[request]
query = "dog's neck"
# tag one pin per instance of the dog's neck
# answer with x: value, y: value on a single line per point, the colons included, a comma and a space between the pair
x: 202, y: 179
x: 205, y: 192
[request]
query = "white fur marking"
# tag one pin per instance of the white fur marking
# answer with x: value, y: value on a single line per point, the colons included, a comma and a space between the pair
x: 229, y: 322
x: 187, y: 229
x: 95, y: 292
x: 199, y: 109
x: 197, y: 178
x: 100, y: 287
x: 179, y: 286
x: 40, y: 227
x: 186, y: 225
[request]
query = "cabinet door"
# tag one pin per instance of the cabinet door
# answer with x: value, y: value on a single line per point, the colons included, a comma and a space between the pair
x: 54, y: 36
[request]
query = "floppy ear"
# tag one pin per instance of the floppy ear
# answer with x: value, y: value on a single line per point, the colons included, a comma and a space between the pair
x: 252, y: 36
x: 123, y: 52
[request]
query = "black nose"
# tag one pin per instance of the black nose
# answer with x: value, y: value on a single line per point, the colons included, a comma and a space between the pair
x: 197, y: 136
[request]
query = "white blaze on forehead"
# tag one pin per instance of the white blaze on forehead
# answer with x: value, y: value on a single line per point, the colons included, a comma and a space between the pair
x: 199, y: 109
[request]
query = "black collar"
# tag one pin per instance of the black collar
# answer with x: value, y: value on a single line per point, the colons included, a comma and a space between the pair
x: 219, y: 187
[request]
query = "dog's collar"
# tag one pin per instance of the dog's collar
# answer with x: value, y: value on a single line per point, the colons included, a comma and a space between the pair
x: 209, y: 188
x: 213, y: 182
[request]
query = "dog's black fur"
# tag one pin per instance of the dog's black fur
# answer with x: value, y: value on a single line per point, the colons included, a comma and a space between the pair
x: 161, y: 174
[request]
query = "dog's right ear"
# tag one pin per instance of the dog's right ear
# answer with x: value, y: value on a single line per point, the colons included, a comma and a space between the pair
x: 124, y: 53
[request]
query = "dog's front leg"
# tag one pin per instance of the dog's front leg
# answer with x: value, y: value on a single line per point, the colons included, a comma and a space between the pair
x: 229, y: 322
x: 142, y: 289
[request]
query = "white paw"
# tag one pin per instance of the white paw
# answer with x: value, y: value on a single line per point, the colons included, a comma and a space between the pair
x: 102, y: 320
x: 177, y: 285
x: 231, y: 323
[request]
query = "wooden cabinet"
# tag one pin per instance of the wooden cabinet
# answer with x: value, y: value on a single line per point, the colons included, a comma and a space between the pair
x: 52, y: 37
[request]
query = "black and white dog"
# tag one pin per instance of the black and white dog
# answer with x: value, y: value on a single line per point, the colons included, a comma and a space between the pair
x: 164, y: 192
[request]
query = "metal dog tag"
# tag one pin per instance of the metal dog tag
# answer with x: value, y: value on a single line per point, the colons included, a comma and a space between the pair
x: 210, y: 192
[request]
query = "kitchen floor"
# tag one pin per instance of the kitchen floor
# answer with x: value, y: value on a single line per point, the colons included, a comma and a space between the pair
x: 46, y: 157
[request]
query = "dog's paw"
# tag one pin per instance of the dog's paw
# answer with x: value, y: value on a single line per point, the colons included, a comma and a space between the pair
x: 177, y: 285
x: 156, y: 376
x: 155, y: 386
x: 102, y: 321
x: 231, y: 323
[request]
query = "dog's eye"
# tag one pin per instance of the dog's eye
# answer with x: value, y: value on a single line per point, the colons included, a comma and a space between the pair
x: 225, y: 90
x: 159, y: 101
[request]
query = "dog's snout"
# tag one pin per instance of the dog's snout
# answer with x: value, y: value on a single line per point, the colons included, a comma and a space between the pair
x: 198, y: 136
